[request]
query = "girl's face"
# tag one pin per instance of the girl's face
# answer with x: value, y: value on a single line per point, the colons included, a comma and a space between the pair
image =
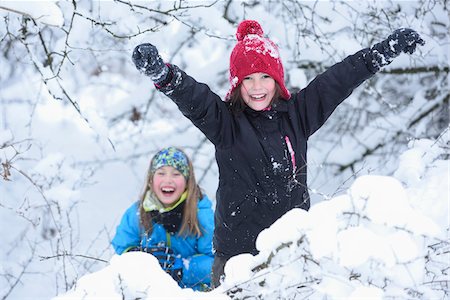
x: 168, y: 185
x: 257, y: 90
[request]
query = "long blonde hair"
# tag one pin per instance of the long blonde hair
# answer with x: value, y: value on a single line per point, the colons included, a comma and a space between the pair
x: 189, y: 225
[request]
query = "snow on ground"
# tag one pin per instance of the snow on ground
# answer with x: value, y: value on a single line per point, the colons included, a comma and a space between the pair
x: 371, y: 242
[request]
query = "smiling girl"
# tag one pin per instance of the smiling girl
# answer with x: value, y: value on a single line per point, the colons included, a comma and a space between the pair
x: 172, y: 220
x: 260, y: 131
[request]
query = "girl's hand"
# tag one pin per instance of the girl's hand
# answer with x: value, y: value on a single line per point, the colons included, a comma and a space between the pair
x: 401, y: 40
x: 148, y: 61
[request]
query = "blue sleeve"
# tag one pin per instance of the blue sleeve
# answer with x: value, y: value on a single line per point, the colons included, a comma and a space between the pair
x: 206, y: 221
x: 199, y: 268
x: 128, y: 232
x: 198, y: 271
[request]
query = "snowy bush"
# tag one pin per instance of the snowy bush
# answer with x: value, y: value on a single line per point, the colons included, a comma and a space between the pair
x: 377, y: 241
x: 373, y: 242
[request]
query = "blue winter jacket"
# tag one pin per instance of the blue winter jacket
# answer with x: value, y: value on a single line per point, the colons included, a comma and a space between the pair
x: 197, y: 252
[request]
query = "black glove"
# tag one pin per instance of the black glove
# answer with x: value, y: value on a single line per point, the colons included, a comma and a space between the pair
x: 148, y: 61
x: 168, y: 261
x: 401, y: 40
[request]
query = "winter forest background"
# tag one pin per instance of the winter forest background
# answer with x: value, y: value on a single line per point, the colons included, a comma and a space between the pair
x: 78, y: 125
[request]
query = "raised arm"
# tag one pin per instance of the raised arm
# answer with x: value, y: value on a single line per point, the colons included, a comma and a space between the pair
x: 320, y: 98
x: 195, y: 100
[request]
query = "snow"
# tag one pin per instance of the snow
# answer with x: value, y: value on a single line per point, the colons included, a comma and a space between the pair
x: 371, y: 231
x: 379, y: 233
x: 133, y: 275
x: 47, y: 13
x: 253, y: 42
x: 5, y: 136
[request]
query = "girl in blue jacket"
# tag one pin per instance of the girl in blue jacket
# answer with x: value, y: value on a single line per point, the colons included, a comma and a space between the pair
x: 172, y: 220
x: 260, y: 131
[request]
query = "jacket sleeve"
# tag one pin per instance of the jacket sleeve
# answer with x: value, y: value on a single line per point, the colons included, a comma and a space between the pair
x: 200, y: 265
x: 316, y: 102
x: 128, y: 232
x: 199, y: 104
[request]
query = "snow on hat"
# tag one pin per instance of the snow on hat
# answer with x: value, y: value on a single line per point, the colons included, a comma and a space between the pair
x: 173, y: 157
x: 255, y: 54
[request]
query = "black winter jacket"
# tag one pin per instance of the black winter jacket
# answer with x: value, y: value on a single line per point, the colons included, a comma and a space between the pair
x: 257, y: 182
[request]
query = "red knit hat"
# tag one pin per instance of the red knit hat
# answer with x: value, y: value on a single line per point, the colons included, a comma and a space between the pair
x: 255, y: 54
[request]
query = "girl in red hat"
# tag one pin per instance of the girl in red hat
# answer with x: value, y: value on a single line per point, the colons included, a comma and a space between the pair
x: 260, y: 130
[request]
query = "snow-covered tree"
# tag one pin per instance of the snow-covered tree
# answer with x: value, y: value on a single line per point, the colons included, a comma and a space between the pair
x: 78, y: 125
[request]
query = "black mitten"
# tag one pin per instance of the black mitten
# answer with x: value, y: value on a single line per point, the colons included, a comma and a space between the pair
x: 401, y: 40
x: 148, y: 61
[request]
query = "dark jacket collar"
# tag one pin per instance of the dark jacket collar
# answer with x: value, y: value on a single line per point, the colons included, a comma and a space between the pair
x: 277, y: 106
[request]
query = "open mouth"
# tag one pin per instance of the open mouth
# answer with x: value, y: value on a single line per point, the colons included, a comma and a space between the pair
x: 167, y: 191
x: 259, y: 97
